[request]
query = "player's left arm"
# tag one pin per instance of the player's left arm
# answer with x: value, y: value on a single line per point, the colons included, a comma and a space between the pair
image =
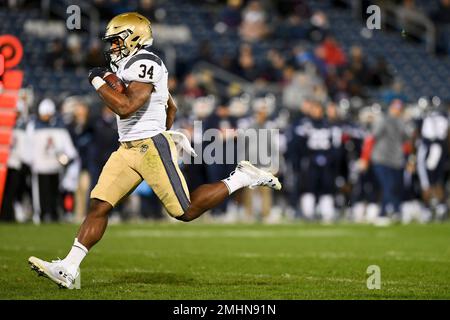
x: 170, y: 112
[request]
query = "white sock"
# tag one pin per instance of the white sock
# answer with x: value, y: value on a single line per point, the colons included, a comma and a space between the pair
x: 73, y: 259
x: 308, y: 205
x: 326, y: 204
x: 236, y: 181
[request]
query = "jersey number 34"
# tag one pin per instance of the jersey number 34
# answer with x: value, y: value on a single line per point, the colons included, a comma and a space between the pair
x: 146, y: 72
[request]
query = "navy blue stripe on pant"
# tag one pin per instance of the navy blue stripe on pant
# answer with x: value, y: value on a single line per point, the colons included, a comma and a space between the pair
x: 163, y: 147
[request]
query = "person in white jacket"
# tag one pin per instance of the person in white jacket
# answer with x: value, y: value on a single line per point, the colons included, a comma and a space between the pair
x: 50, y: 151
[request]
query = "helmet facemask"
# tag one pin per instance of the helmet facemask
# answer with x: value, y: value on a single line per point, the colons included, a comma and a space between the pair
x: 118, y: 49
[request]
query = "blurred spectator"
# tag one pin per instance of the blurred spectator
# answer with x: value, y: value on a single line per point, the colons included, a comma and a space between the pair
x: 222, y: 120
x: 358, y: 67
x: 296, y: 91
x: 191, y: 87
x: 75, y: 55
x: 202, y: 109
x: 204, y: 54
x: 50, y: 151
x: 147, y: 9
x: 56, y: 55
x: 306, y: 58
x: 104, y: 142
x: 333, y: 55
x: 230, y: 15
x: 254, y: 22
x: 119, y: 6
x: 105, y: 9
x: 441, y: 17
x: 81, y: 133
x: 321, y: 141
x: 245, y: 65
x: 286, y: 8
x: 303, y: 85
x: 95, y: 57
x: 262, y: 109
x: 442, y: 14
x: 380, y: 75
x: 388, y: 159
x: 275, y: 70
x: 319, y: 26
x: 292, y: 28
x: 394, y: 92
x: 432, y: 159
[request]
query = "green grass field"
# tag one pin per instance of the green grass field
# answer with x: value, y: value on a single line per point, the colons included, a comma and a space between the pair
x: 204, y: 261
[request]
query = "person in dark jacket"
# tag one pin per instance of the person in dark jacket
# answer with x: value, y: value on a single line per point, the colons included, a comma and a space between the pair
x: 103, y: 143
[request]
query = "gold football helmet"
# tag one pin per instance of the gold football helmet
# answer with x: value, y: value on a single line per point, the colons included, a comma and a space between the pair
x: 127, y: 33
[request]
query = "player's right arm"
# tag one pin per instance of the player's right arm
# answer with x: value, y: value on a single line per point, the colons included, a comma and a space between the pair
x: 122, y: 104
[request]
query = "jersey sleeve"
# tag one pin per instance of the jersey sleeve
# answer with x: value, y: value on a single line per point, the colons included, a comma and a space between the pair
x: 143, y: 69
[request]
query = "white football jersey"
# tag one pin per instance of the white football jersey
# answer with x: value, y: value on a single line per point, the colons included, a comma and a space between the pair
x: 150, y: 119
x: 435, y: 127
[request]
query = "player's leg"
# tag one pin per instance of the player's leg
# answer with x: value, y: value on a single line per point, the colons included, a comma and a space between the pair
x: 116, y: 181
x: 160, y: 169
x: 94, y: 225
x: 208, y: 196
x: 64, y: 272
x: 205, y: 197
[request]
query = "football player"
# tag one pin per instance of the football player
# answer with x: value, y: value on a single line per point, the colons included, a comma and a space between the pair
x: 432, y: 158
x: 322, y: 143
x: 147, y: 151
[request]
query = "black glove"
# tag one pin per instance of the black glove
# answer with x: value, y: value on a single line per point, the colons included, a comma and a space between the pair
x: 97, y: 72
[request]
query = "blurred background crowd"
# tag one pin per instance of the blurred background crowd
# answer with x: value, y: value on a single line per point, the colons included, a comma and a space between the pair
x: 362, y: 114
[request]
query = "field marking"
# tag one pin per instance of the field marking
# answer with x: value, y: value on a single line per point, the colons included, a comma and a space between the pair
x: 320, y: 255
x: 338, y: 255
x: 242, y: 233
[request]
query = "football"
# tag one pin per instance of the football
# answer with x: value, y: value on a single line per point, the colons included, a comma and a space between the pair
x: 114, y: 82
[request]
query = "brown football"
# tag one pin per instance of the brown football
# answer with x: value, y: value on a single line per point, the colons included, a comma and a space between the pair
x: 114, y: 82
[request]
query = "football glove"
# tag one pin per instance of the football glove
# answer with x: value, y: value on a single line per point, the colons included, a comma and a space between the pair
x: 97, y: 72
x: 181, y: 140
